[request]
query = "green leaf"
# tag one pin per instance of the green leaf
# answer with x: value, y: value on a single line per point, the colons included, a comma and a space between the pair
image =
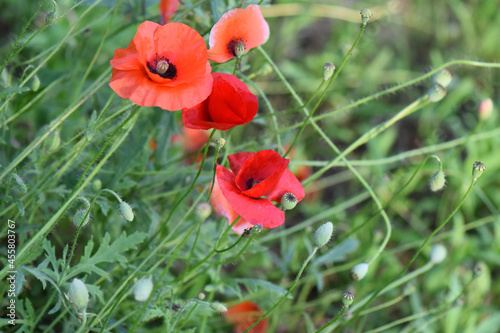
x: 95, y: 292
x: 9, y: 91
x: 40, y: 275
x: 338, y: 253
x: 485, y: 326
x: 20, y: 207
x: 253, y: 284
x: 56, y: 307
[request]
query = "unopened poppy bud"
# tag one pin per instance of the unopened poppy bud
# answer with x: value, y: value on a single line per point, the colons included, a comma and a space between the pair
x: 323, y: 234
x: 437, y: 181
x: 288, y: 201
x: 96, y: 185
x: 443, y: 77
x: 78, y: 294
x: 81, y: 218
x: 477, y: 170
x: 365, y: 16
x: 126, y: 211
x: 35, y: 83
x: 436, y: 93
x: 20, y: 183
x: 142, y: 289
x: 54, y: 141
x: 239, y: 49
x: 162, y: 66
x: 220, y: 143
x: 201, y: 296
x: 328, y: 70
x: 219, y: 307
x: 438, y: 253
x: 359, y: 271
x: 485, y: 108
x: 347, y: 298
x: 203, y: 210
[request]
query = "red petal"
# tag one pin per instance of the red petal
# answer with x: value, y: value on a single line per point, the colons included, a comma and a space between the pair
x: 167, y: 9
x: 126, y: 59
x: 243, y: 315
x: 236, y: 161
x: 144, y: 41
x: 246, y: 25
x: 287, y: 183
x: 261, y: 173
x: 254, y: 211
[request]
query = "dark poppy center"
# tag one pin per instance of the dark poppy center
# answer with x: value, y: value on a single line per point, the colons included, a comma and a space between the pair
x: 235, y: 45
x: 162, y: 67
x: 251, y: 183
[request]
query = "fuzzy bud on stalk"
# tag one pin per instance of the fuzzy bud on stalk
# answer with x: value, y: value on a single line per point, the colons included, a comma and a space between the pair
x: 20, y: 183
x: 142, y: 289
x: 219, y: 307
x: 365, y: 16
x: 126, y: 211
x: 323, y: 234
x: 438, y: 253
x: 443, y: 77
x: 347, y: 298
x: 96, y: 185
x: 328, y: 70
x: 477, y: 170
x: 437, y: 181
x: 35, y: 83
x: 485, y: 108
x: 436, y: 93
x: 359, y: 271
x: 288, y: 201
x: 78, y: 294
x: 80, y: 215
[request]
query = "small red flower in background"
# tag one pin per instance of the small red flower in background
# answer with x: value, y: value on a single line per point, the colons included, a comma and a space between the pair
x: 192, y: 140
x: 163, y: 66
x: 238, y: 25
x: 230, y: 104
x: 256, y: 179
x: 167, y: 9
x: 243, y: 315
x: 223, y: 208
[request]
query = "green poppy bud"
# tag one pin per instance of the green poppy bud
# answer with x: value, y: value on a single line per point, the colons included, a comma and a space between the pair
x: 35, y: 83
x: 126, y: 211
x: 80, y: 215
x: 96, y: 185
x: 359, y: 271
x: 288, y: 201
x: 347, y: 298
x: 323, y: 234
x: 219, y: 307
x: 78, y: 294
x: 443, y: 78
x: 436, y: 93
x: 203, y: 210
x: 438, y: 253
x: 142, y: 289
x: 437, y: 181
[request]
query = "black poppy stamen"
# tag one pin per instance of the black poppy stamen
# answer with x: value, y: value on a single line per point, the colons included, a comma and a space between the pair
x: 236, y: 47
x: 163, y: 67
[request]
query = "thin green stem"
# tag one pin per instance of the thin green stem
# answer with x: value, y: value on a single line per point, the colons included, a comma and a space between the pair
x: 337, y: 317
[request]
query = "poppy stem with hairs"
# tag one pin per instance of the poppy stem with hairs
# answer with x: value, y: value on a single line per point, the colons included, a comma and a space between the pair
x: 236, y: 63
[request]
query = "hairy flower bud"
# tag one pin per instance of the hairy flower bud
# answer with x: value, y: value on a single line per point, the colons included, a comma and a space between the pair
x: 81, y: 218
x: 142, y: 289
x: 437, y: 181
x: 438, y: 253
x: 436, y: 93
x: 35, y: 83
x: 219, y: 307
x: 323, y: 234
x: 126, y: 211
x: 78, y: 294
x: 20, y: 183
x: 359, y: 271
x: 443, y: 78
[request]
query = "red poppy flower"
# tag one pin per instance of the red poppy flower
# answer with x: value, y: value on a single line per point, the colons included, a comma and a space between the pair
x: 223, y: 208
x: 229, y: 104
x: 163, y: 66
x: 256, y: 179
x: 243, y: 315
x: 245, y: 28
x: 167, y: 9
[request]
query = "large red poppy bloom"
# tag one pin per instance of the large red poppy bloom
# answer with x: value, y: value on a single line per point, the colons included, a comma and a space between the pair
x: 167, y: 9
x: 256, y: 179
x: 238, y: 27
x: 243, y: 315
x: 229, y: 104
x: 163, y: 66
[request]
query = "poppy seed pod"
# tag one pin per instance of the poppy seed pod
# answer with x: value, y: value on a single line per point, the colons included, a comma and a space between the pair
x: 142, y: 289
x: 78, y: 294
x: 437, y: 181
x: 477, y: 170
x: 365, y: 15
x: 436, y: 93
x: 438, y: 253
x: 443, y: 77
x: 323, y: 234
x: 288, y: 201
x: 126, y: 211
x: 359, y: 271
x: 347, y: 298
x: 328, y: 70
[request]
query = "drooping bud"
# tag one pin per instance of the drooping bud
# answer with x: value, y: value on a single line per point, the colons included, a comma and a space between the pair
x: 328, y: 70
x: 436, y: 93
x: 35, y: 83
x: 365, y: 16
x: 485, y: 108
x: 359, y: 271
x: 78, y: 294
x: 323, y: 234
x: 477, y: 170
x: 96, y: 185
x: 437, y: 181
x: 443, y: 77
x: 162, y: 66
x: 219, y: 307
x: 142, y: 289
x: 81, y: 218
x: 438, y: 253
x: 288, y: 201
x: 239, y: 49
x: 126, y: 211
x: 347, y: 298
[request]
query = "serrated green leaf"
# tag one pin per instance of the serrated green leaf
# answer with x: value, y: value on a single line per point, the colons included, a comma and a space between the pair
x: 104, y: 206
x: 95, y: 292
x: 29, y: 308
x: 56, y: 307
x: 254, y: 283
x: 20, y: 207
x: 40, y: 275
x: 338, y: 253
x: 9, y: 91
x: 19, y: 281
x: 153, y: 313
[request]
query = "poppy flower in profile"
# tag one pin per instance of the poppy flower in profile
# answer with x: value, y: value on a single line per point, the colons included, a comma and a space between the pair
x: 163, y: 66
x: 229, y: 104
x: 223, y: 208
x: 237, y: 31
x: 243, y: 315
x: 167, y: 10
x: 254, y: 181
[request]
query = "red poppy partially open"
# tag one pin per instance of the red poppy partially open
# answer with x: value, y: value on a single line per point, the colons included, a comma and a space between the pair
x: 256, y: 179
x: 243, y: 315
x: 167, y: 9
x: 163, y: 66
x: 229, y: 104
x: 241, y: 29
x: 223, y: 208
